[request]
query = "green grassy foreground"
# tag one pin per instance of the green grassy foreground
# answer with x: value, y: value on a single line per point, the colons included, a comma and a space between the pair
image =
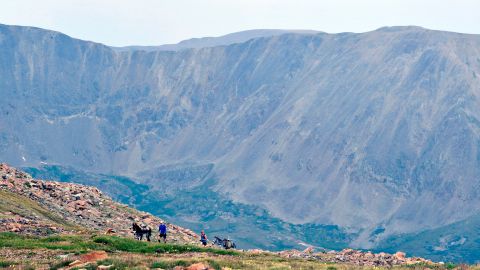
x: 82, y: 244
x: 132, y: 254
x: 123, y: 253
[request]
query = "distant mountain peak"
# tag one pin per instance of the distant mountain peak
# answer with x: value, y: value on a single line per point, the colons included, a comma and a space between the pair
x: 401, y: 28
x: 228, y: 39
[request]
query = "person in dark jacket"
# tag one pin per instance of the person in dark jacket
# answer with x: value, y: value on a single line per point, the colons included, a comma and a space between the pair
x: 203, y: 238
x: 163, y: 232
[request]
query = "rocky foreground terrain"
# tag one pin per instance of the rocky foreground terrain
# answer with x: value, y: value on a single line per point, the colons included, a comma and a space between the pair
x: 47, y: 218
x: 35, y: 207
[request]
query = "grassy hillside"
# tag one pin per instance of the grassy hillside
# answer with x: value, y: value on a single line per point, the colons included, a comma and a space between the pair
x: 18, y: 211
x: 13, y: 203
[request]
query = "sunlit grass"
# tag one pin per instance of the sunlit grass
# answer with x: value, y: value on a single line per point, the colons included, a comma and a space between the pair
x: 107, y: 243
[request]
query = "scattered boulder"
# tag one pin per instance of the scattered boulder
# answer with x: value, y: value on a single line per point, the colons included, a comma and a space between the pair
x: 400, y: 255
x: 110, y: 231
x: 94, y: 256
x: 308, y: 250
x: 198, y: 266
x: 105, y: 267
x: 195, y: 266
x: 75, y: 263
x: 256, y: 251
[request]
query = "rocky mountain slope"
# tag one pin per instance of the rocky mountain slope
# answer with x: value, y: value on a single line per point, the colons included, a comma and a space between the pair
x: 376, y: 133
x: 36, y: 207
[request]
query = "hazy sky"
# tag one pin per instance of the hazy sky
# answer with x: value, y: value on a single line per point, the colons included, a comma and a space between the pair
x: 155, y: 22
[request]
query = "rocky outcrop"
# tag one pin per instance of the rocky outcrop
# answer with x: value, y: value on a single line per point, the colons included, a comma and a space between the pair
x: 356, y: 257
x: 72, y: 208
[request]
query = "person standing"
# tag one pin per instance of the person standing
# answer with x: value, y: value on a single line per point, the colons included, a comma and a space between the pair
x: 203, y: 238
x: 163, y: 232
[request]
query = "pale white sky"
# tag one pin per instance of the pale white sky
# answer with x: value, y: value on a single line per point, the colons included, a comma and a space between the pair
x: 155, y: 22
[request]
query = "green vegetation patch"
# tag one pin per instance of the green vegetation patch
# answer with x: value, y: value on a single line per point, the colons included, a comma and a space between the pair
x: 170, y: 264
x: 70, y: 243
x: 456, y: 242
x: 81, y: 244
x: 60, y: 265
x: 115, y: 243
x: 433, y: 266
x: 213, y: 263
x: 6, y: 264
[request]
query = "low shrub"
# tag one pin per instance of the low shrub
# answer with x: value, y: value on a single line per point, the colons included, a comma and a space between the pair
x: 170, y: 264
x: 118, y: 264
x: 216, y: 265
x: 450, y: 265
x: 5, y: 264
x: 131, y: 245
x: 60, y: 265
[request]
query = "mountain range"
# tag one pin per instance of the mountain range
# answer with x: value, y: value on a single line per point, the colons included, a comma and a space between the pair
x: 374, y: 135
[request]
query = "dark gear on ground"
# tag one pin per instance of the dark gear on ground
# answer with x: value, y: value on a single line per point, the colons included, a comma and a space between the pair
x: 225, y: 243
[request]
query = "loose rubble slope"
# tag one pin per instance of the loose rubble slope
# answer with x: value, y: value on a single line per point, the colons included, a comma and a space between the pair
x: 37, y: 207
x: 357, y: 257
